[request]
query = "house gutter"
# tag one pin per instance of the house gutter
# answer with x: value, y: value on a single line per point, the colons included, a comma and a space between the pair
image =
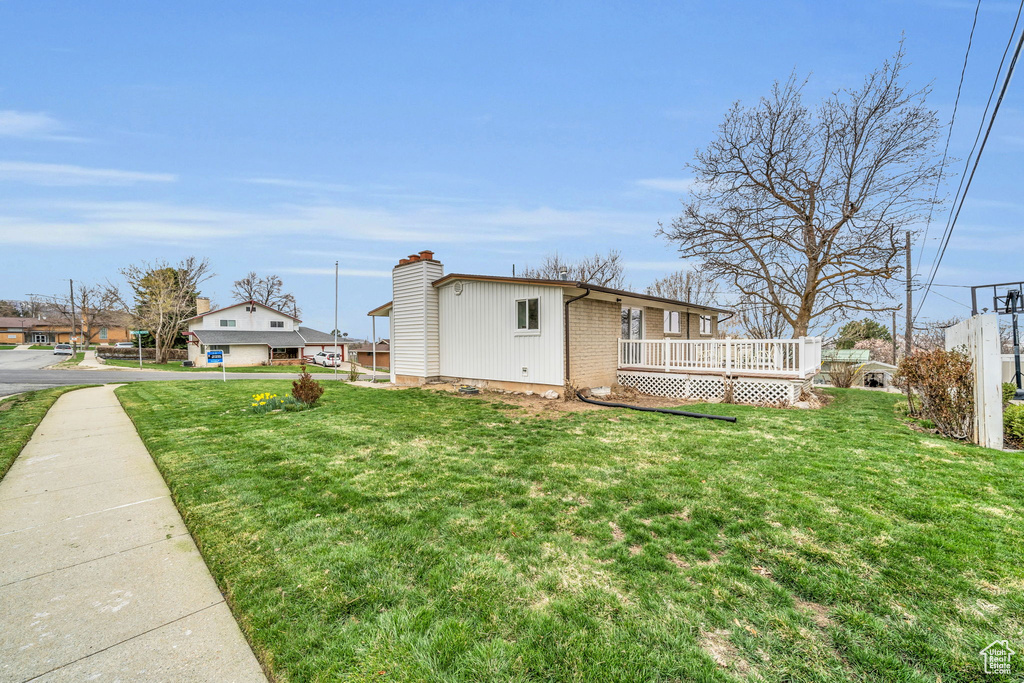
x: 565, y: 320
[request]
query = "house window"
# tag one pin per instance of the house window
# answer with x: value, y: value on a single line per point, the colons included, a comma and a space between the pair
x: 224, y: 348
x: 227, y: 323
x: 284, y: 354
x: 103, y: 333
x: 671, y: 322
x: 528, y: 315
x: 632, y: 323
x: 705, y: 325
x: 277, y: 323
x: 250, y: 309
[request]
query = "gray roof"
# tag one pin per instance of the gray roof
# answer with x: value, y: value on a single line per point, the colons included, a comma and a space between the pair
x: 277, y: 339
x: 317, y: 337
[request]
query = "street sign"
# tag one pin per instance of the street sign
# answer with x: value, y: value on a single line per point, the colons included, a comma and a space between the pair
x: 138, y: 332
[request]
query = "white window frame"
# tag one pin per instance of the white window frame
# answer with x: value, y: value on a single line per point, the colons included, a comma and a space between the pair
x: 515, y: 312
x: 103, y: 333
x: 224, y: 322
x: 629, y: 316
x: 678, y: 317
x: 706, y: 326
x: 277, y: 323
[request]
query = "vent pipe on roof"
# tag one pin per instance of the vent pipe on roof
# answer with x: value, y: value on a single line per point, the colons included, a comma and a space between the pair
x: 563, y: 273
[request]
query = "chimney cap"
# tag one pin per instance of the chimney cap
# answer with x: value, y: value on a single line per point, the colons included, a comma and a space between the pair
x: 427, y: 254
x: 403, y: 261
x: 414, y: 257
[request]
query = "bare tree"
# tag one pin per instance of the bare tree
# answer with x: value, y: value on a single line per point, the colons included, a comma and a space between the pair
x: 606, y: 271
x: 94, y: 308
x: 163, y: 297
x: 803, y: 210
x: 268, y: 291
x: 691, y: 286
x: 759, y: 321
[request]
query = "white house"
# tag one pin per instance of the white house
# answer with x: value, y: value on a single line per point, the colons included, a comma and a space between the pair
x: 251, y: 333
x: 541, y: 335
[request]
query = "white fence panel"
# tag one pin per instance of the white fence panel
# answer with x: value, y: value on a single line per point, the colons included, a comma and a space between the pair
x: 980, y: 336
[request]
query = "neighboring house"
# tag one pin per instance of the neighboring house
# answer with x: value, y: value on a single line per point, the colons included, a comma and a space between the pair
x: 365, y: 354
x: 317, y: 341
x: 50, y: 331
x: 540, y: 335
x: 830, y: 358
x: 249, y: 333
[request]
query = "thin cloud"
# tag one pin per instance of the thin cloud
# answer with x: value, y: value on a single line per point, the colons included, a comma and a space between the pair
x: 94, y: 223
x: 32, y: 125
x: 67, y: 174
x: 677, y: 185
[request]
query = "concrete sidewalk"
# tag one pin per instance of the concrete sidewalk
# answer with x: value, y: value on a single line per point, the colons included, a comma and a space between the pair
x: 99, y: 578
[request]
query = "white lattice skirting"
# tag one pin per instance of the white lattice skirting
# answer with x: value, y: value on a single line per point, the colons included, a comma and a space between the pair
x: 752, y: 390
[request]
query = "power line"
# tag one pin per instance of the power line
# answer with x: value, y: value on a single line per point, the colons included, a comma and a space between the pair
x: 948, y: 234
x: 949, y: 134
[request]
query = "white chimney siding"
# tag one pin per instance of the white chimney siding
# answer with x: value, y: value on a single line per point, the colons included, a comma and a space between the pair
x: 415, y: 336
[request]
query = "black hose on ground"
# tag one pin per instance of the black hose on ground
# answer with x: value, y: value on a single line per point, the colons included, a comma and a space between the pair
x: 724, y: 418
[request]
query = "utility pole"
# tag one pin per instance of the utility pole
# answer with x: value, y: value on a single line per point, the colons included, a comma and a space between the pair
x: 894, y: 338
x: 74, y: 317
x: 910, y: 304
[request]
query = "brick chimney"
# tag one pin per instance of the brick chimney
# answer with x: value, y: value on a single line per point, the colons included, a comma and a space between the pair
x: 202, y: 305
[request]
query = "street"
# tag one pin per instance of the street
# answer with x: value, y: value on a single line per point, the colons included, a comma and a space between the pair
x: 26, y: 371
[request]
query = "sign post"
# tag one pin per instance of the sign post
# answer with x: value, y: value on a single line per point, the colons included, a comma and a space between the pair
x: 217, y: 357
x: 139, y: 333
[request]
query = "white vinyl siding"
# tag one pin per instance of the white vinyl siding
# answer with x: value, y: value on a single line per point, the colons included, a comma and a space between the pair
x: 238, y: 318
x: 415, y: 346
x: 480, y: 339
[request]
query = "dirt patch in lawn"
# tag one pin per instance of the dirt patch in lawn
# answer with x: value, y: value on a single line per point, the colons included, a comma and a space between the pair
x: 545, y: 407
x: 725, y: 654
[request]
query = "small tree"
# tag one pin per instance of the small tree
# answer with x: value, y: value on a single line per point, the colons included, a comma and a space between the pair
x: 844, y: 375
x: 306, y: 389
x: 859, y: 330
x: 944, y: 383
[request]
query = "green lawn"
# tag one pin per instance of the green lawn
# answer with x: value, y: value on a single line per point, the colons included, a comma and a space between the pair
x: 19, y: 416
x: 6, y: 347
x: 413, y: 535
x: 177, y: 367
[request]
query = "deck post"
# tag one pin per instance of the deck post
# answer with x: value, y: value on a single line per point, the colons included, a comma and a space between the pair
x: 728, y: 355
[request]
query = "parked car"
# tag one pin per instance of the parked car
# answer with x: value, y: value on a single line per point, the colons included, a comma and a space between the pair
x: 328, y: 359
x: 124, y: 345
x: 62, y: 350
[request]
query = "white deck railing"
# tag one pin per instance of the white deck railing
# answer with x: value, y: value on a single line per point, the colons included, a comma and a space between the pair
x: 799, y: 358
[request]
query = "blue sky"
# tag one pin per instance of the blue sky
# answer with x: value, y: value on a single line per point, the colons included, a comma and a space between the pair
x: 280, y: 137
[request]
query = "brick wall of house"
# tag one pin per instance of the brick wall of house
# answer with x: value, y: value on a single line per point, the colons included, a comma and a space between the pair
x: 654, y: 323
x: 594, y: 329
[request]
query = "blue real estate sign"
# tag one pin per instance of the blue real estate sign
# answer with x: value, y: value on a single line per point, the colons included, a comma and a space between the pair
x: 214, y: 356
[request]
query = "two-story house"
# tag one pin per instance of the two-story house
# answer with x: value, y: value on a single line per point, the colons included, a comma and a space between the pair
x: 251, y: 333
